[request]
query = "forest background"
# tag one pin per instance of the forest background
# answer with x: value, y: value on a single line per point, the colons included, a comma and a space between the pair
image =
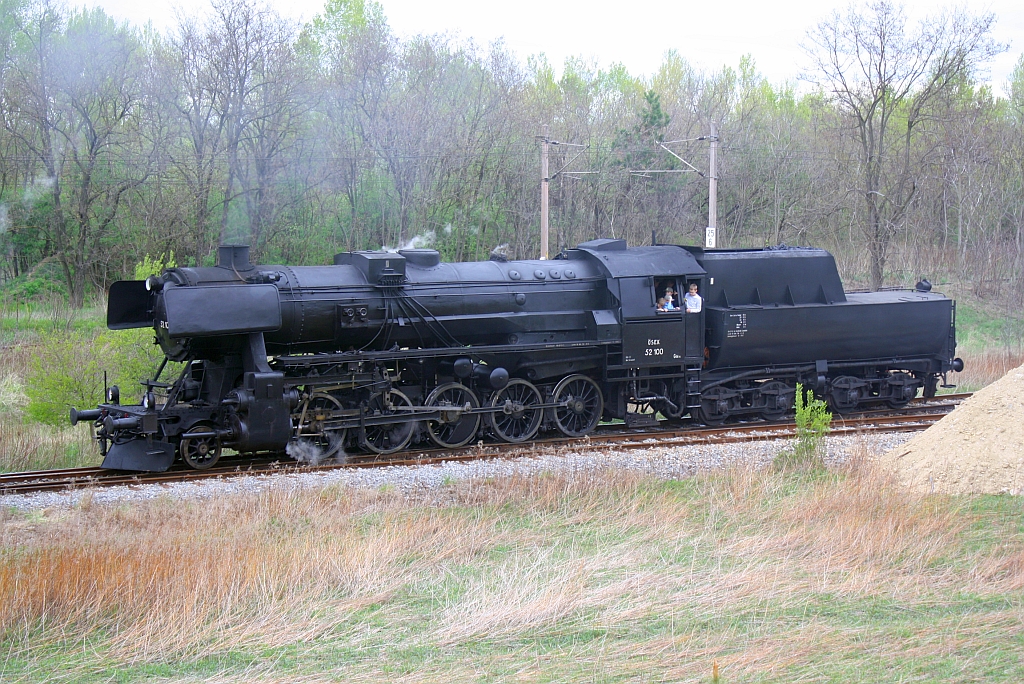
x: 303, y: 140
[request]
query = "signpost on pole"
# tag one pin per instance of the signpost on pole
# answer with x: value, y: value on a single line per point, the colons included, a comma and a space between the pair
x: 711, y: 232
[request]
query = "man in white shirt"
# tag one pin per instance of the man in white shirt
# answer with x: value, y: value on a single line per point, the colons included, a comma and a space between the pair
x: 692, y: 301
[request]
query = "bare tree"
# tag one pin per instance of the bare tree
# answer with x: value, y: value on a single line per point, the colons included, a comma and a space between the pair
x: 241, y: 39
x: 77, y: 83
x: 885, y: 77
x: 190, y: 89
x: 277, y: 107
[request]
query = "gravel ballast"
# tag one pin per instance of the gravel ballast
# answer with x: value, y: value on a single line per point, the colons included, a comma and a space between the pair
x: 665, y: 462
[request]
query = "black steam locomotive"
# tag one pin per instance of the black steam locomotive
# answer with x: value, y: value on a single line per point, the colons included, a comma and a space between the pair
x: 382, y: 348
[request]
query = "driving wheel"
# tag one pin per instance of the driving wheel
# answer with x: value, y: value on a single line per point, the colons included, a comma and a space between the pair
x: 387, y: 438
x: 517, y: 421
x: 581, y: 405
x: 311, y: 427
x: 455, y: 428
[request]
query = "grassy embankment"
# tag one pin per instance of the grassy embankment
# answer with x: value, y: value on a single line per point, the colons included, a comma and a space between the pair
x: 990, y: 344
x: 800, y: 576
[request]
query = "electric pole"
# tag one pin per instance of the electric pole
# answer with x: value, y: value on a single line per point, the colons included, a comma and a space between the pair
x: 545, y: 144
x: 546, y: 178
x: 711, y: 234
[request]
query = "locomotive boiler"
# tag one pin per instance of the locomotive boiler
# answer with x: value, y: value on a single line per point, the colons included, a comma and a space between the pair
x: 383, y: 348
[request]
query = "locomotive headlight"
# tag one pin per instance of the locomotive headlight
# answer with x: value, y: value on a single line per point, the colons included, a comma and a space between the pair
x: 113, y: 395
x: 154, y: 283
x: 148, y: 401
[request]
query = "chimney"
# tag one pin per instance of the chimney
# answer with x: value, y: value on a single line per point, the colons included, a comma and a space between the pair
x: 235, y: 257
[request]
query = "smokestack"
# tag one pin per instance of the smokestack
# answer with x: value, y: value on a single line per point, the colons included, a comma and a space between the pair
x: 235, y: 257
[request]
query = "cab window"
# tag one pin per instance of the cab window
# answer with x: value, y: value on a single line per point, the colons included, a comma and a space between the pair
x: 666, y: 295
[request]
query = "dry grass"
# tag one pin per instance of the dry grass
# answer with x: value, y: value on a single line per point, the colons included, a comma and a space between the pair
x: 985, y: 367
x: 33, y: 446
x: 596, y: 576
x: 15, y: 360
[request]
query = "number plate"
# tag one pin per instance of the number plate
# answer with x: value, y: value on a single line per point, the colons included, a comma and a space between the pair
x: 656, y: 343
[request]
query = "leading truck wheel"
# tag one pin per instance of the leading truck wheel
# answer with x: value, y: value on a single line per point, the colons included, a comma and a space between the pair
x: 387, y: 438
x: 517, y: 421
x: 201, y: 453
x: 583, y: 405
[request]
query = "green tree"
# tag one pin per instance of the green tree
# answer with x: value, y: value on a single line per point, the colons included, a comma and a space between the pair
x: 69, y: 366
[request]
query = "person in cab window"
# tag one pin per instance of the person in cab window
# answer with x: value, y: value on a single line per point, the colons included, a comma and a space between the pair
x: 692, y: 301
x: 670, y: 299
x: 666, y: 292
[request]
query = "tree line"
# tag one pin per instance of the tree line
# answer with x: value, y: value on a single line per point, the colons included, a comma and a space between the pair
x: 305, y: 140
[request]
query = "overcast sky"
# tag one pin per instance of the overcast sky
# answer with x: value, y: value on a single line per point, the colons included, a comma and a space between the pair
x: 636, y: 34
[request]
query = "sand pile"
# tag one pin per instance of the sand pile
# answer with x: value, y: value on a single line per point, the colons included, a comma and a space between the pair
x: 978, y: 448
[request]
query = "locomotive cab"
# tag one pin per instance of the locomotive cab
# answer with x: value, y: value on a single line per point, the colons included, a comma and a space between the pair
x: 653, y: 334
x: 657, y: 367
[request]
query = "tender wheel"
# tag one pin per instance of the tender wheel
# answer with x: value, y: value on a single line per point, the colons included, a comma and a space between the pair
x: 200, y: 453
x: 706, y: 418
x: 844, y: 394
x: 311, y: 427
x: 389, y: 437
x: 776, y: 394
x: 714, y: 406
x: 517, y: 421
x: 584, y: 405
x: 903, y: 390
x: 455, y: 428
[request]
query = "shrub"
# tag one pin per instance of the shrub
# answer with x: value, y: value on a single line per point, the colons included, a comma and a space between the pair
x: 813, y: 422
x: 65, y: 371
x: 67, y: 368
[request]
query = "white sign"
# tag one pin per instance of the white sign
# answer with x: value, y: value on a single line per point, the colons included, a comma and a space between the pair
x: 709, y: 237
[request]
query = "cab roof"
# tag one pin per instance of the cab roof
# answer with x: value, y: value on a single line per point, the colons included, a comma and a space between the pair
x: 620, y: 261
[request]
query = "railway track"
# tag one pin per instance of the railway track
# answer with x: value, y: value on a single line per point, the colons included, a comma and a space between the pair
x: 919, y: 415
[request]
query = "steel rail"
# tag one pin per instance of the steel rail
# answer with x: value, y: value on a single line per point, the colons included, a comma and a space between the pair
x: 615, y: 436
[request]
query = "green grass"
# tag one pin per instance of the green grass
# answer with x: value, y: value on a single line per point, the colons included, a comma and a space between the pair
x: 29, y: 323
x: 980, y: 326
x: 608, y: 577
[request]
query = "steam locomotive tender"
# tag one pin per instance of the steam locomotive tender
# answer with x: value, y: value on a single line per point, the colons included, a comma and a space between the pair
x: 383, y: 348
